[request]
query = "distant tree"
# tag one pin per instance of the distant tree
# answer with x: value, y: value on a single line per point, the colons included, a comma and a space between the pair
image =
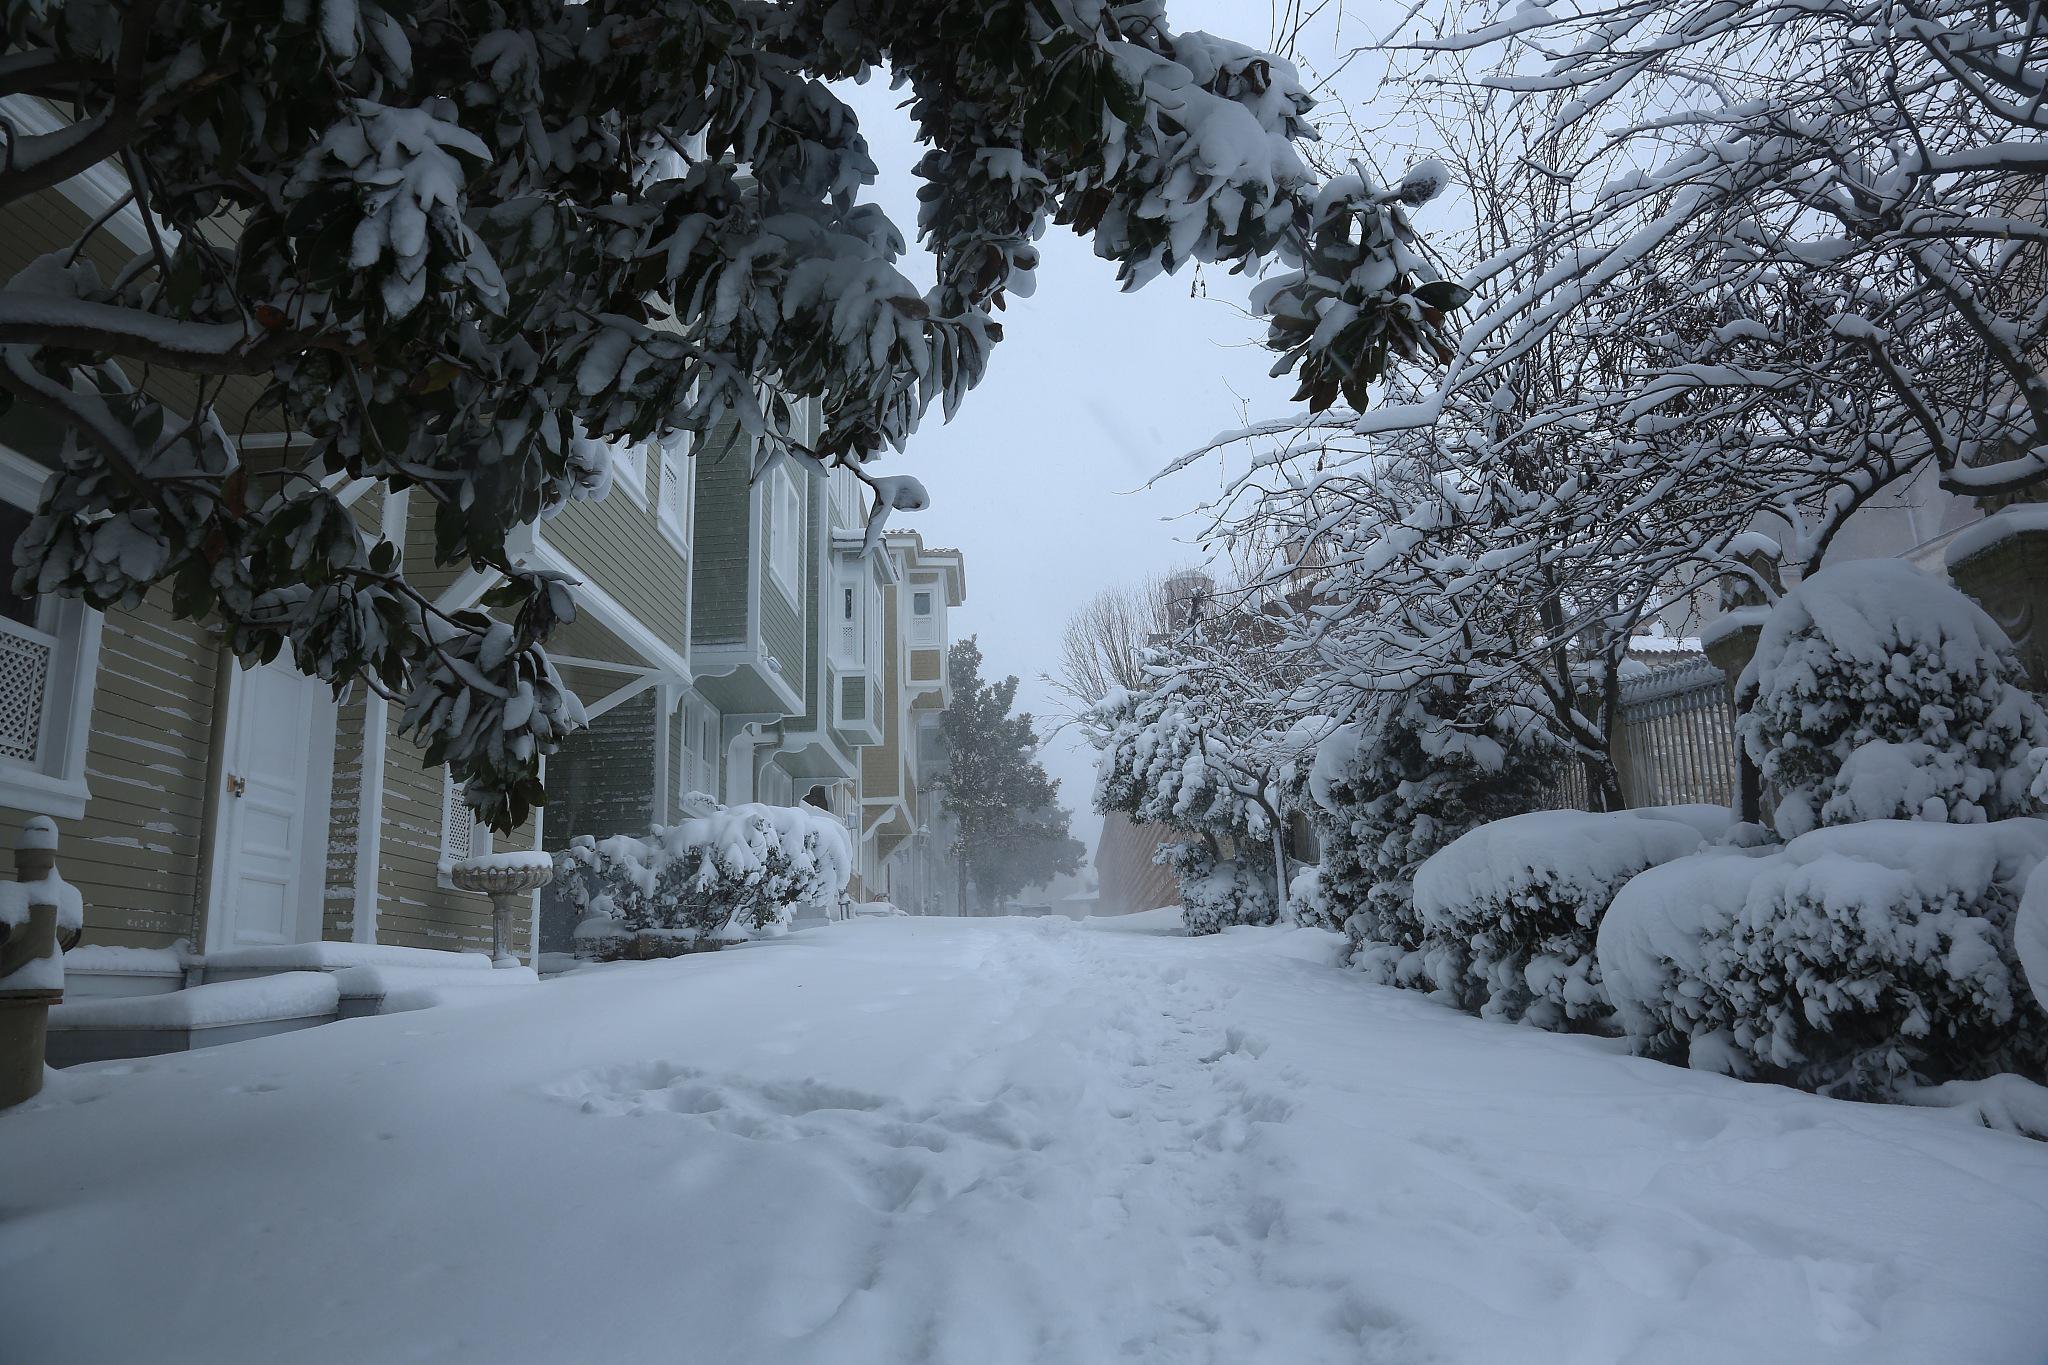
x: 1102, y: 647
x: 1012, y: 834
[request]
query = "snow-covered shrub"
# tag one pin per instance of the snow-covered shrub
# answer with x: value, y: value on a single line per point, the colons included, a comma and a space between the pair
x: 1861, y: 959
x: 1216, y: 892
x: 746, y: 866
x: 1312, y: 906
x: 1510, y: 910
x: 1876, y: 693
x: 1393, y: 790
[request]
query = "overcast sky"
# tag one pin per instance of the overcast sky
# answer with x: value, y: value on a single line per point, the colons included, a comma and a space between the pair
x: 1038, y: 480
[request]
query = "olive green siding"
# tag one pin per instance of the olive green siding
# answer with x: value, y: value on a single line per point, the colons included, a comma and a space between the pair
x: 38, y: 224
x: 413, y: 909
x: 618, y: 545
x: 880, y: 766
x: 816, y: 509
x: 723, y: 537
x: 420, y: 569
x: 782, y: 618
x: 136, y: 855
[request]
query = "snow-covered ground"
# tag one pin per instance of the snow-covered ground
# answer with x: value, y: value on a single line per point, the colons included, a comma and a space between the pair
x: 988, y: 1141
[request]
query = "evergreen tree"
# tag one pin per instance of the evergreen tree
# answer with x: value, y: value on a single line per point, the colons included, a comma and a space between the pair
x: 1011, y: 832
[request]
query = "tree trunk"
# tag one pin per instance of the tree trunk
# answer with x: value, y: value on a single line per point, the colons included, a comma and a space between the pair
x: 1279, y: 871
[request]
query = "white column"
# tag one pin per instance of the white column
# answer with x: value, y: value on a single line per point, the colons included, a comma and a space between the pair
x: 370, y: 790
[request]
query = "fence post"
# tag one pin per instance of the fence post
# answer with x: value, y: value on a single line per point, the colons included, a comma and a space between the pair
x: 1730, y: 643
x: 2001, y: 563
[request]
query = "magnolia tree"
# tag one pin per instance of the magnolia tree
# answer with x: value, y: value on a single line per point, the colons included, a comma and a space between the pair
x: 462, y: 248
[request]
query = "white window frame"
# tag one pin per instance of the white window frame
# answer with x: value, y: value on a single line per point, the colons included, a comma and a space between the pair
x: 783, y: 509
x: 629, y: 469
x: 676, y: 512
x: 456, y: 814
x: 55, y: 784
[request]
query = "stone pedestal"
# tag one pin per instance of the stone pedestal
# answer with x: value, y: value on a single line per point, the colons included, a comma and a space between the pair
x: 507, y: 884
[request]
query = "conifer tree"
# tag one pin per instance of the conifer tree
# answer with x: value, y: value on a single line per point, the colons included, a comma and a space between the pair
x: 1012, y: 832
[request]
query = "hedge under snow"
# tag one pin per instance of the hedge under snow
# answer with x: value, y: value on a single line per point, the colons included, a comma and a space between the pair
x: 1878, y: 692
x: 1861, y: 960
x: 746, y: 866
x: 1509, y: 910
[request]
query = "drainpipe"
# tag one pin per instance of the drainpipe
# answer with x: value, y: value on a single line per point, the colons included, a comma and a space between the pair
x: 742, y: 754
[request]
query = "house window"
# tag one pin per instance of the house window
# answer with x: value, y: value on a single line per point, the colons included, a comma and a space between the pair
x: 785, y: 515
x: 921, y: 603
x: 675, y: 508
x: 462, y: 836
x: 49, y: 662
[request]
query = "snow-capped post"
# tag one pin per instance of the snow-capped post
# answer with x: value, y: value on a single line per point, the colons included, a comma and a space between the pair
x: 40, y: 919
x: 1999, y: 564
x: 505, y: 878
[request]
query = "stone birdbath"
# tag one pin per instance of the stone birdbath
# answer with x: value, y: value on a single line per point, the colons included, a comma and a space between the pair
x: 505, y: 878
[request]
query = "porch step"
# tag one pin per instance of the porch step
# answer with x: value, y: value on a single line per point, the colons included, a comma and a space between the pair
x: 394, y: 990
x: 239, y: 964
x: 198, y: 1016
x: 97, y: 971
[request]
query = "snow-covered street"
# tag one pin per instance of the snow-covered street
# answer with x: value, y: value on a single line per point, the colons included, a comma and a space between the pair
x: 996, y: 1141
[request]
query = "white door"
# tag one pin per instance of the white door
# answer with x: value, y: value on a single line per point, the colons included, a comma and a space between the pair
x: 277, y: 764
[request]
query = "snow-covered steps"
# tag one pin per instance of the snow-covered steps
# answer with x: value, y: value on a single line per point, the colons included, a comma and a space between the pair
x: 369, y: 990
x: 198, y: 1016
x: 95, y: 971
x: 237, y: 964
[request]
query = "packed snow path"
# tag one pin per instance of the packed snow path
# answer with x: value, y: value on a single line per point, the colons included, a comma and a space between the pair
x: 995, y: 1141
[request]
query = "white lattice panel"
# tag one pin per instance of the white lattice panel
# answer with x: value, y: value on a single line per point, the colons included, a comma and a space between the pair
x: 25, y: 659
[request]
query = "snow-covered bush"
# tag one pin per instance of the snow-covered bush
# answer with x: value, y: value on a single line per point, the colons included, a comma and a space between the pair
x: 1393, y: 790
x: 1861, y: 959
x: 1878, y: 693
x: 2030, y: 937
x: 1311, y: 903
x: 1217, y: 892
x: 745, y: 866
x: 1510, y: 910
